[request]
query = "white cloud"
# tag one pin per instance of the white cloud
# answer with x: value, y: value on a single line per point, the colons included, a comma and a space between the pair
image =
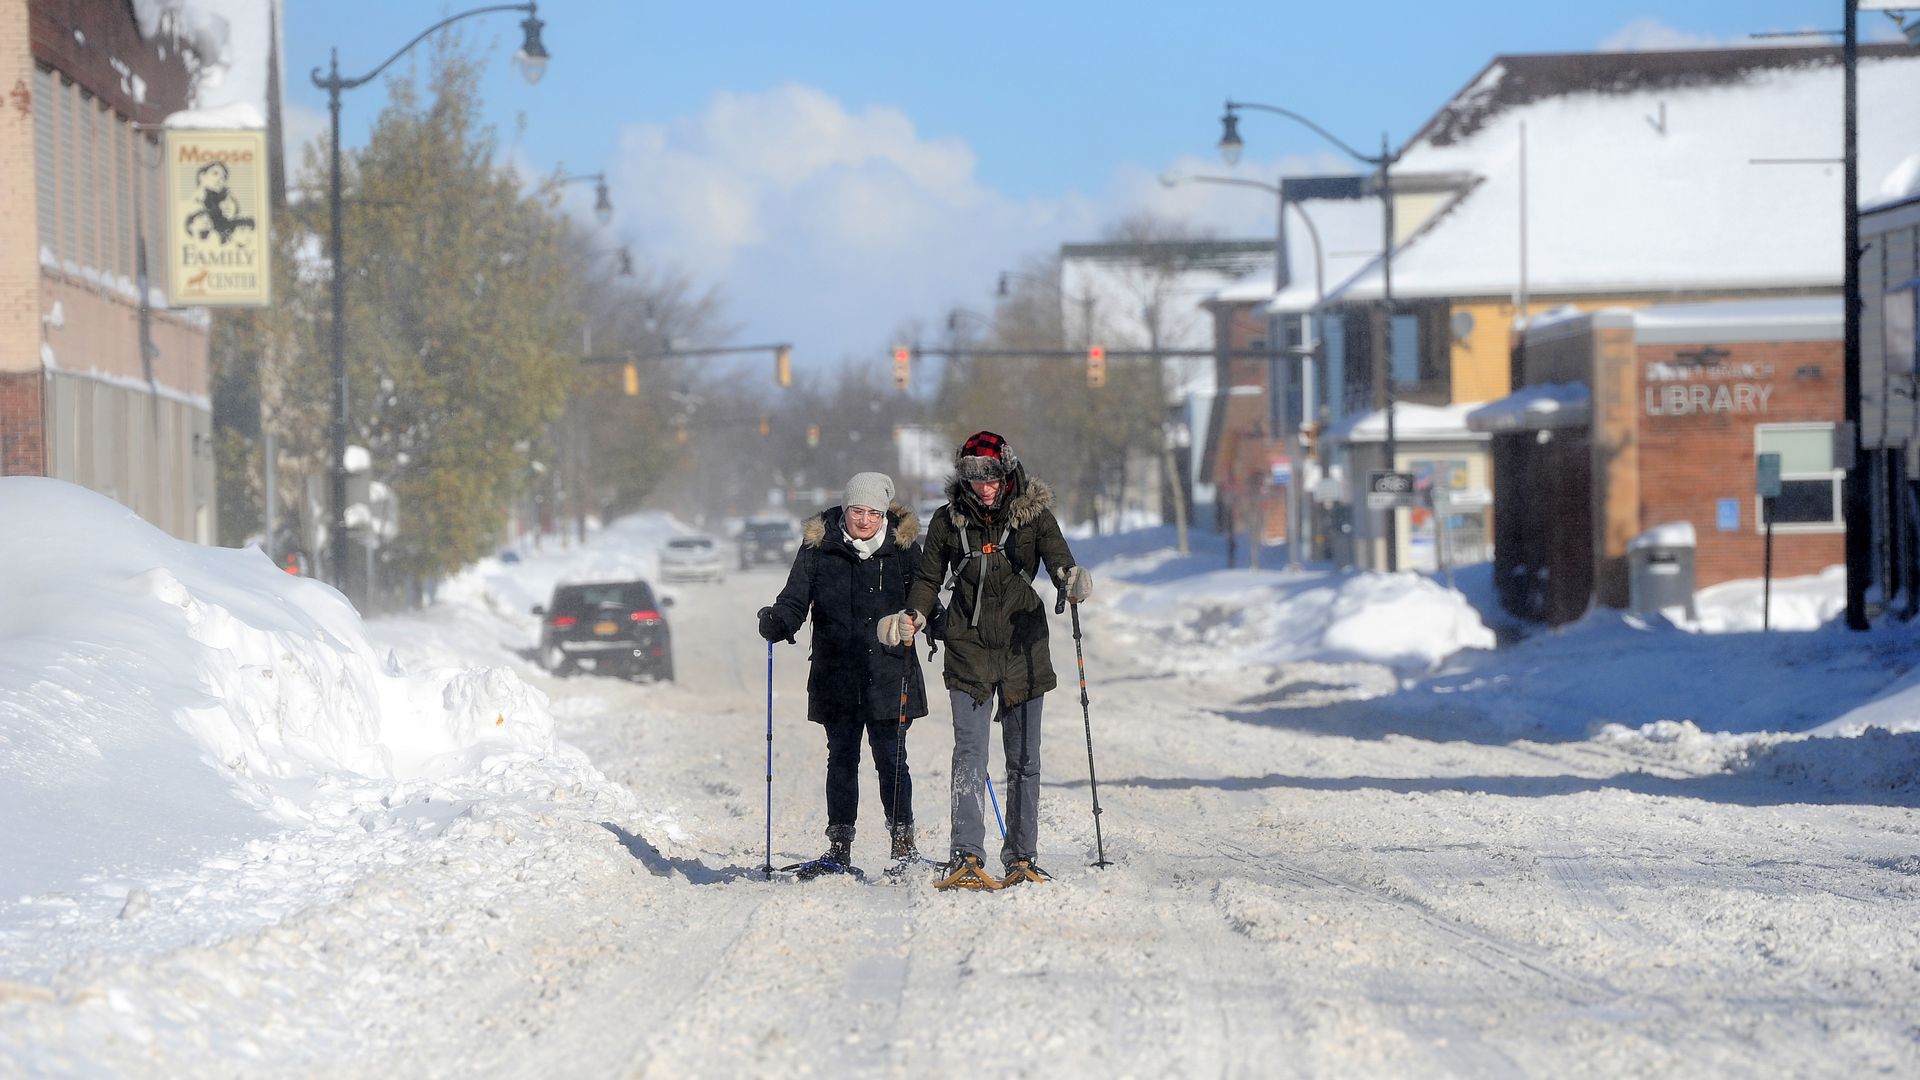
x: 1648, y: 34
x: 831, y: 228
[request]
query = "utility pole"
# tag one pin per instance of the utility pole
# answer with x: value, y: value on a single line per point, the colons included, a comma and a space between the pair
x: 1856, y: 510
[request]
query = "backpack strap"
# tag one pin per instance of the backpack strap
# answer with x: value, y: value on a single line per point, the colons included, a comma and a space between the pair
x: 987, y: 550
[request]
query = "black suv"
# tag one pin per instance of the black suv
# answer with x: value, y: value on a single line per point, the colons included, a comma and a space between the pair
x: 767, y: 542
x: 607, y: 627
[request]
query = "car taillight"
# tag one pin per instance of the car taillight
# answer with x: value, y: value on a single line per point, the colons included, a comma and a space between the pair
x: 561, y: 622
x: 646, y: 616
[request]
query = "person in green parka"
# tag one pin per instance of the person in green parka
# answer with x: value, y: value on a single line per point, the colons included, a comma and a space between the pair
x: 992, y: 535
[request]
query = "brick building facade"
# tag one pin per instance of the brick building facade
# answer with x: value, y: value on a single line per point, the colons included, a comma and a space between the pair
x: 1657, y: 417
x: 100, y: 384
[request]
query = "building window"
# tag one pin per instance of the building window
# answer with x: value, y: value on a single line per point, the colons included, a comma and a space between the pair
x: 1898, y: 310
x: 1809, y: 499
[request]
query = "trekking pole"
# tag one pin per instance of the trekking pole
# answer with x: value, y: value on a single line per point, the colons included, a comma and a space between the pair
x: 997, y: 819
x: 766, y: 868
x: 1086, y: 717
x: 900, y: 747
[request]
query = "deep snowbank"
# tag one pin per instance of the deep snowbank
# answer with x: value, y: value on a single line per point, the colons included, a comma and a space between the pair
x: 1809, y: 705
x: 156, y: 697
x: 1227, y: 619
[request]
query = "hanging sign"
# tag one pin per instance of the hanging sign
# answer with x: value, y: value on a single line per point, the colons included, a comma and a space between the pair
x: 216, y: 211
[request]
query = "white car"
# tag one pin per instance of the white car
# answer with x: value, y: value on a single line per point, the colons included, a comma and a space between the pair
x: 691, y: 558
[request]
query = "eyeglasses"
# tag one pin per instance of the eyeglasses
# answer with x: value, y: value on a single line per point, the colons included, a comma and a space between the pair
x: 865, y: 514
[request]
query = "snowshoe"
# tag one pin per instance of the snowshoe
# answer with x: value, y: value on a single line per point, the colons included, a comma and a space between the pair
x: 965, y: 872
x: 837, y: 860
x: 1024, y: 870
x: 813, y: 868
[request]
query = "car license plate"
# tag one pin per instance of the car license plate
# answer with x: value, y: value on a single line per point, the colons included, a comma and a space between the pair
x: 606, y: 628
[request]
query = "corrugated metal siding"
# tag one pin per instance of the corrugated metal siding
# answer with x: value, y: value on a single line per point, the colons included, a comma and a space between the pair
x: 152, y: 455
x: 44, y: 158
x: 67, y: 153
x: 123, y: 136
x: 87, y: 111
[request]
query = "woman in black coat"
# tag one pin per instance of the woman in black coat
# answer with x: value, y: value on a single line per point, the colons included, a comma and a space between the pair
x: 854, y: 566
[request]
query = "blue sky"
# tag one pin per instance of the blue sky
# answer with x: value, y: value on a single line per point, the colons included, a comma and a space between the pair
x: 840, y: 171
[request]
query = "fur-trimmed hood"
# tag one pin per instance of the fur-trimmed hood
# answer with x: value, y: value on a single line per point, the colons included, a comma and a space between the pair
x: 906, y: 526
x: 1031, y: 498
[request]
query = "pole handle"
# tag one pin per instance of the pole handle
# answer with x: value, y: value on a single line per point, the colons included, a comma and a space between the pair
x: 1060, y: 602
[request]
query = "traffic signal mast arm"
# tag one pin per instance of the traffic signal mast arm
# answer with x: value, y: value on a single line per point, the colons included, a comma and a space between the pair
x: 1110, y: 354
x: 676, y: 354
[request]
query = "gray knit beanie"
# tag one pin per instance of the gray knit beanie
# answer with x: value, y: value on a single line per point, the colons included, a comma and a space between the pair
x: 870, y: 489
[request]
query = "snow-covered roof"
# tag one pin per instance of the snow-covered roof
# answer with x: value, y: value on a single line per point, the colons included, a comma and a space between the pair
x: 1411, y: 423
x: 239, y: 114
x: 233, y: 40
x: 1901, y: 185
x: 1796, y: 318
x: 1533, y: 408
x: 1651, y: 172
x: 1784, y: 318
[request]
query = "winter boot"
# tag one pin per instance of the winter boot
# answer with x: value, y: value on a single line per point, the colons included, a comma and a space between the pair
x: 903, y: 846
x: 838, y: 858
x: 964, y: 872
x: 1022, y: 870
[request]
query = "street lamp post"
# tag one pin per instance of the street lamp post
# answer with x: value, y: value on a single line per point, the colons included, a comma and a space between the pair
x: 602, y: 203
x: 1282, y: 276
x: 532, y: 61
x: 1230, y: 147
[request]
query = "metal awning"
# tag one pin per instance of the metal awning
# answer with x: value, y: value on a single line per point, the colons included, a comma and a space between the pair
x: 1547, y: 407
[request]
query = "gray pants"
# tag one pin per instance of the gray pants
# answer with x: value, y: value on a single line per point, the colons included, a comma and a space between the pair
x: 1020, y: 739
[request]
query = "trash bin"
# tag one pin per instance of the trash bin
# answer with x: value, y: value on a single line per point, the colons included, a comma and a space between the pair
x: 1660, y: 569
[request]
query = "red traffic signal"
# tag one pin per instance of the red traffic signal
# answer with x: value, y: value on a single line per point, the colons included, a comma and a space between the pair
x: 902, y: 367
x: 1096, y: 366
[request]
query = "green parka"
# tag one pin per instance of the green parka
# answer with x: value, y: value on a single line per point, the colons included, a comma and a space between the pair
x: 1002, y: 640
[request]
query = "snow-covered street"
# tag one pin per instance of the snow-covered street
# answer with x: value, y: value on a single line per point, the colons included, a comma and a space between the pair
x: 1322, y: 865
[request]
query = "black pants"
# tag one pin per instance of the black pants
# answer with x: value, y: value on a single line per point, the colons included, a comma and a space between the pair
x: 888, y: 738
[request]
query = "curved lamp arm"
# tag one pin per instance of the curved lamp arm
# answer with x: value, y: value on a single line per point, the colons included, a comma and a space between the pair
x: 532, y: 25
x: 1231, y: 136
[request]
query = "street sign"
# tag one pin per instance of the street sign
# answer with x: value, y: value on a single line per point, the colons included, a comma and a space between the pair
x: 217, y: 220
x: 1727, y: 515
x: 1389, y: 489
x: 1767, y: 476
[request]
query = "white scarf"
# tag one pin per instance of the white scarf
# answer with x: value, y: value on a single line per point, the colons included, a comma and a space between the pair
x: 865, y: 548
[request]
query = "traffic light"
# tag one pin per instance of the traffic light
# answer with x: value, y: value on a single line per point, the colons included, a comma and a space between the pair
x: 765, y: 426
x: 1096, y: 366
x: 633, y: 379
x: 813, y: 436
x: 902, y: 367
x: 782, y: 367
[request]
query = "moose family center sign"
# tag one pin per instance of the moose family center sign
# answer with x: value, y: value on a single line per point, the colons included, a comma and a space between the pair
x: 217, y: 235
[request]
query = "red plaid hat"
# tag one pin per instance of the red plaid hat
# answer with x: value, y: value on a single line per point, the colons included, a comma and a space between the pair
x: 985, y: 456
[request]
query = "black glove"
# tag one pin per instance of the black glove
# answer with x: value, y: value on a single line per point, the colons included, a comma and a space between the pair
x: 770, y: 626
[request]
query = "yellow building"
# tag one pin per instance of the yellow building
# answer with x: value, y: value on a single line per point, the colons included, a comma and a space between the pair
x: 1602, y: 180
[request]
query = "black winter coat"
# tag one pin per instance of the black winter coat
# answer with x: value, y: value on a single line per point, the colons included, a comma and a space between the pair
x: 1004, y: 643
x: 854, y: 676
